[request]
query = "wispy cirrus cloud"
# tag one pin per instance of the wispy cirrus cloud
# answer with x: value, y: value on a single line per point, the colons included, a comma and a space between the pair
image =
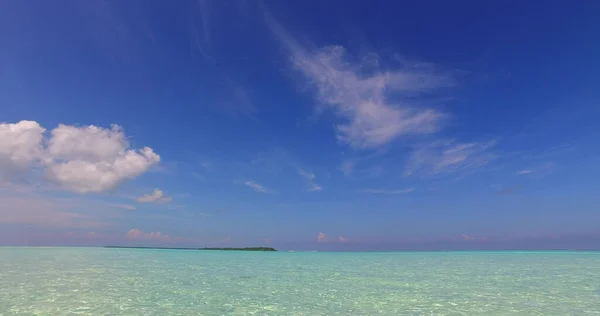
x: 310, y: 178
x: 157, y: 196
x: 376, y: 103
x: 314, y: 187
x: 202, y: 39
x: 255, y: 186
x: 374, y: 106
x: 237, y: 101
x: 447, y: 156
x: 545, y: 167
x: 280, y: 162
x: 388, y: 192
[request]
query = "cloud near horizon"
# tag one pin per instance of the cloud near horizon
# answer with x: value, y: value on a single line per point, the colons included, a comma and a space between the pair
x: 87, y: 159
x: 136, y: 234
x: 323, y: 238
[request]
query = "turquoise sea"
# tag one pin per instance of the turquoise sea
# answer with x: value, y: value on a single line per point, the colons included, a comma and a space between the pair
x: 97, y: 281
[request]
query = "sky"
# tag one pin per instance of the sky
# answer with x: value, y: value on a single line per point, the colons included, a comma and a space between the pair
x: 305, y: 125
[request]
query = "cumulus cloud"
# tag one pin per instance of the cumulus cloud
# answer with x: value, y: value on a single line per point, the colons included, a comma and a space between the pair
x: 389, y: 192
x: 79, y: 159
x: 321, y: 237
x: 440, y: 157
x: 20, y: 146
x: 157, y: 196
x: 375, y: 107
x: 87, y: 143
x: 136, y: 234
x: 310, y: 178
x: 94, y: 159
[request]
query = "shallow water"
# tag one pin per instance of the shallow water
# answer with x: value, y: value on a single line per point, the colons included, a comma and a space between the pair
x: 97, y: 281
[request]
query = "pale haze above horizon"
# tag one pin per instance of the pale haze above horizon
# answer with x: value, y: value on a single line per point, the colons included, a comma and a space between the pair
x: 306, y: 125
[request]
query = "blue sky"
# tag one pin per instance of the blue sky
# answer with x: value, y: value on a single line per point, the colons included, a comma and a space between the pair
x: 302, y: 125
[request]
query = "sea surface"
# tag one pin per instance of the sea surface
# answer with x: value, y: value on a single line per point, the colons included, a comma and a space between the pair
x: 97, y: 281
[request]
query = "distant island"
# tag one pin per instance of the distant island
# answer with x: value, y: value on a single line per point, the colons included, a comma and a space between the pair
x: 205, y: 248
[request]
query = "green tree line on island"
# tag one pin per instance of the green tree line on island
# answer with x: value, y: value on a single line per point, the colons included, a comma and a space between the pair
x: 205, y: 248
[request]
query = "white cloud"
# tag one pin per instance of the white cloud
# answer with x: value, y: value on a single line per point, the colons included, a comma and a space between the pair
x: 136, y: 234
x: 310, y: 177
x: 363, y: 102
x: 83, y: 176
x: 79, y: 159
x: 321, y: 237
x: 90, y: 143
x: 93, y: 159
x: 257, y: 187
x: 20, y: 146
x: 389, y: 192
x: 376, y: 106
x: 306, y: 174
x: 157, y: 196
x: 314, y: 187
x: 467, y: 237
x: 545, y: 167
x: 440, y: 157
